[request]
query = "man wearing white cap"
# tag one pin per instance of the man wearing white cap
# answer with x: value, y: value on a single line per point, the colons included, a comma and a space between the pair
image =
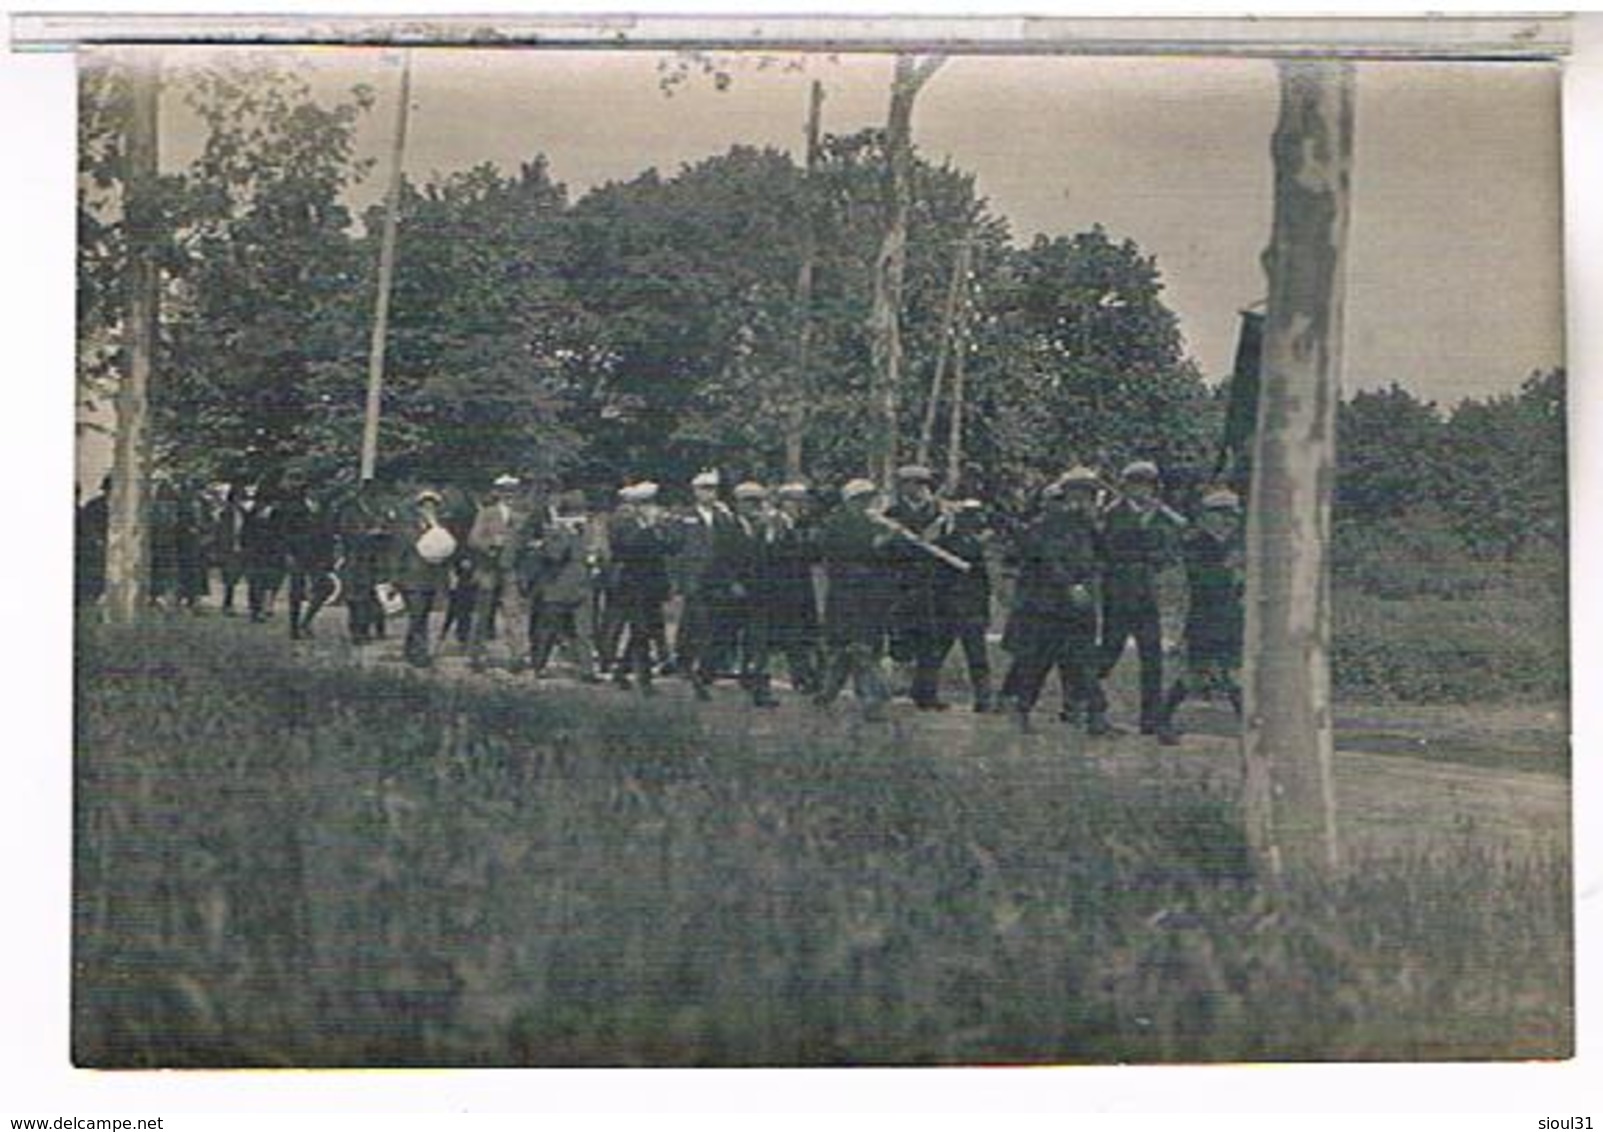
x: 640, y: 545
x: 426, y: 548
x: 745, y: 564
x: 793, y: 600
x: 701, y: 644
x: 918, y: 636
x: 1215, y: 582
x: 860, y: 587
x: 500, y: 539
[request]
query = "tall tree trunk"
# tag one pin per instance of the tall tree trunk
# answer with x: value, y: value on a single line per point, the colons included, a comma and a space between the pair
x: 954, y: 293
x: 128, y: 528
x: 386, y: 276
x: 799, y: 394
x: 891, y: 262
x: 1287, y: 739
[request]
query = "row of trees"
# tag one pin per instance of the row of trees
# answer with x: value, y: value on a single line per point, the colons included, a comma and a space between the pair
x: 1495, y: 468
x: 651, y: 327
x: 648, y: 327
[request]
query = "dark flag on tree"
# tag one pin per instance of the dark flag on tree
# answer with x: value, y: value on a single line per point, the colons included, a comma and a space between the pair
x: 1241, y: 415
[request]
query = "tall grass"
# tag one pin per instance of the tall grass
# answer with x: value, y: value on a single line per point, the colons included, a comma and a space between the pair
x: 284, y: 867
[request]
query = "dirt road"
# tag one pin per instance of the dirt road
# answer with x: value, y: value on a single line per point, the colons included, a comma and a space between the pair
x: 1461, y: 788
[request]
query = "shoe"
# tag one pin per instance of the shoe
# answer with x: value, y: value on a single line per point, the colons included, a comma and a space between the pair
x: 764, y: 701
x: 933, y: 705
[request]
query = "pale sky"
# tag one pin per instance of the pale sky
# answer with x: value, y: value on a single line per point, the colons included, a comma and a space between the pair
x: 1455, y: 252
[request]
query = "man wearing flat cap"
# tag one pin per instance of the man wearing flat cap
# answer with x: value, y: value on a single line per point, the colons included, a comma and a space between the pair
x: 1138, y: 535
x: 1215, y: 583
x: 701, y: 645
x: 852, y: 547
x: 500, y: 541
x: 750, y: 551
x: 640, y: 545
x: 1053, y: 623
x: 793, y: 629
x: 425, y: 549
x: 918, y: 636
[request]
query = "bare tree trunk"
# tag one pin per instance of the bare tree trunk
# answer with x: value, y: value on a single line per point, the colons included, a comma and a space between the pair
x: 954, y: 292
x: 128, y: 529
x: 891, y: 262
x: 386, y: 276
x: 801, y: 387
x: 1287, y: 740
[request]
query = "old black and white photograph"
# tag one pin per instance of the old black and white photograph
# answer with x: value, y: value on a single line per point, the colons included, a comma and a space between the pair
x: 751, y: 554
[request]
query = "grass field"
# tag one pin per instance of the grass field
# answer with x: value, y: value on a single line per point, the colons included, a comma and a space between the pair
x: 283, y: 865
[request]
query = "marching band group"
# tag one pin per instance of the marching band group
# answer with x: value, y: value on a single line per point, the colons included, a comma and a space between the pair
x: 771, y: 573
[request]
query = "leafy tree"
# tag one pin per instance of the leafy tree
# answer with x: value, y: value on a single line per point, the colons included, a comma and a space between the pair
x: 492, y: 366
x: 266, y: 301
x: 1388, y: 446
x: 1084, y: 362
x: 1503, y: 467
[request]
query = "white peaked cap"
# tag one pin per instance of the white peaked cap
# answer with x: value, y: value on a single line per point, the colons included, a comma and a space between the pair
x: 751, y: 489
x: 704, y: 479
x: 639, y: 492
x: 507, y: 479
x: 1221, y: 499
x: 854, y: 488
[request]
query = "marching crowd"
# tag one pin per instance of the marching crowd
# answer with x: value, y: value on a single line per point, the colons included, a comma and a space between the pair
x: 832, y: 586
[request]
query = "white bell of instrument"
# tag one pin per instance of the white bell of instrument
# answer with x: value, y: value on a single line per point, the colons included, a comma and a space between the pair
x: 435, y: 545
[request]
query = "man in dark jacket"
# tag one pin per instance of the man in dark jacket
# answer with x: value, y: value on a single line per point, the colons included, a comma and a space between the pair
x: 1215, y: 579
x: 564, y: 571
x: 750, y: 601
x: 792, y: 599
x: 262, y: 549
x: 1136, y: 531
x: 918, y: 636
x: 308, y: 535
x: 227, y: 547
x: 853, y: 548
x: 963, y: 600
x: 707, y: 623
x: 640, y: 542
x: 1054, y: 617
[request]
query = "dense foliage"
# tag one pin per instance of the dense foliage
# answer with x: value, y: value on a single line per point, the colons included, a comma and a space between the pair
x: 648, y: 328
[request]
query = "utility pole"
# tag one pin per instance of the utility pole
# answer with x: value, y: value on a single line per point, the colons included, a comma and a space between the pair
x: 801, y: 388
x: 1287, y: 741
x: 128, y: 531
x: 386, y: 277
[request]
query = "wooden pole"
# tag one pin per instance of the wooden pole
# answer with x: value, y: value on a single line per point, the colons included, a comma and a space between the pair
x: 1287, y: 740
x: 386, y: 277
x: 891, y: 262
x: 954, y: 291
x: 954, y: 438
x: 801, y: 387
x: 128, y: 531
